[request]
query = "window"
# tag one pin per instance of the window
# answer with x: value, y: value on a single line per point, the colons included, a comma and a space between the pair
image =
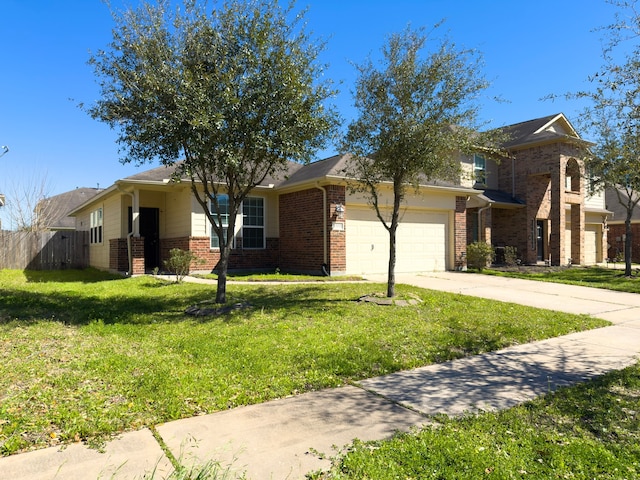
x: 96, y: 226
x: 251, y: 223
x: 479, y: 169
x: 223, y: 203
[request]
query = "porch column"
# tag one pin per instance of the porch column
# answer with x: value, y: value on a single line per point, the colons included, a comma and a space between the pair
x: 135, y: 212
x: 137, y: 256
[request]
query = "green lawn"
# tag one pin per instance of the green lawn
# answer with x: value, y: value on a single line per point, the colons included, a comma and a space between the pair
x: 281, y: 277
x: 84, y: 355
x: 597, y: 277
x: 583, y: 432
x: 590, y: 431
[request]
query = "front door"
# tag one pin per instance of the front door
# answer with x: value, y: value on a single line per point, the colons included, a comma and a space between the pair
x: 150, y: 230
x: 540, y: 239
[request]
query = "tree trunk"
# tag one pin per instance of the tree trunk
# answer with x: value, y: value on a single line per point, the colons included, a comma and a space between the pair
x: 223, y: 265
x: 393, y: 228
x: 627, y: 246
x: 391, y: 274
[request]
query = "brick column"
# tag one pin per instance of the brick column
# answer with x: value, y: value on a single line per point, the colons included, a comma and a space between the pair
x: 558, y: 217
x: 577, y: 234
x: 337, y: 243
x: 460, y: 233
x: 137, y: 249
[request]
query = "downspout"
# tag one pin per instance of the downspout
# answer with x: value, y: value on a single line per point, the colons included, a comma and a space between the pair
x: 324, y: 229
x: 513, y: 177
x: 130, y: 234
x: 480, y: 210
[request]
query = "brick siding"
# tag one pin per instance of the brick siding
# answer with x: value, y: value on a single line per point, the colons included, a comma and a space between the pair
x: 118, y: 255
x: 539, y: 179
x: 302, y: 232
x: 460, y: 233
x: 615, y: 237
x: 239, y: 259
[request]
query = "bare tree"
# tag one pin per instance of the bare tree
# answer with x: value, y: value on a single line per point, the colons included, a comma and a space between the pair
x: 27, y: 208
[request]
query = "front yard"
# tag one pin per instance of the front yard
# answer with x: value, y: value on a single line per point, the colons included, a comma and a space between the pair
x: 84, y: 355
x: 611, y: 278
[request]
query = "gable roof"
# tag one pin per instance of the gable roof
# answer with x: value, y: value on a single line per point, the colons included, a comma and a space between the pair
x: 163, y: 174
x: 537, y: 131
x: 329, y: 167
x: 540, y: 130
x: 57, y: 208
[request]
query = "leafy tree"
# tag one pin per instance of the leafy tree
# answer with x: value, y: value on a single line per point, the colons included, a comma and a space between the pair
x: 235, y: 93
x: 415, y: 116
x: 612, y: 117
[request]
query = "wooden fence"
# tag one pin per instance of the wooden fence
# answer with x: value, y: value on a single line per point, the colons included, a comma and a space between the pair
x: 44, y: 250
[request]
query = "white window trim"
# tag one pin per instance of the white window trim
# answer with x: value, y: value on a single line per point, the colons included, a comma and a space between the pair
x: 239, y: 226
x: 96, y: 226
x: 477, y: 170
x: 261, y: 227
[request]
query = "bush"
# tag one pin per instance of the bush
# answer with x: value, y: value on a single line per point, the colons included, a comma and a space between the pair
x: 510, y: 256
x: 180, y: 262
x: 479, y: 255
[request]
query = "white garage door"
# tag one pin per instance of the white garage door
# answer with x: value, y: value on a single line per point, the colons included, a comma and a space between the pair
x: 567, y: 244
x: 591, y: 243
x: 421, y: 242
x: 591, y: 237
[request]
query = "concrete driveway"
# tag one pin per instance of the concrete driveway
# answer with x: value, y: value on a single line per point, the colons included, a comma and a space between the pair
x: 616, y: 307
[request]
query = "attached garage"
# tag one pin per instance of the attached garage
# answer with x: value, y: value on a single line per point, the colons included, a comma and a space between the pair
x: 592, y: 243
x: 422, y: 242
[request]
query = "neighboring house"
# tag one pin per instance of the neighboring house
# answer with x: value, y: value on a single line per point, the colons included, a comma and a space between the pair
x: 537, y: 200
x: 617, y: 228
x: 52, y: 213
x: 308, y: 220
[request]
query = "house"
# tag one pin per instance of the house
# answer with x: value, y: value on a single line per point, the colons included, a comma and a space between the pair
x: 308, y: 220
x: 52, y: 213
x: 303, y: 221
x: 617, y: 227
x: 538, y: 199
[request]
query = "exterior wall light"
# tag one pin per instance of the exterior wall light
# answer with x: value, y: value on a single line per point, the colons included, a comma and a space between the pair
x: 340, y: 211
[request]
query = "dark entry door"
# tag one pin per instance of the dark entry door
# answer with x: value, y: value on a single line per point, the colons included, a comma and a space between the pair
x: 150, y: 230
x: 540, y: 239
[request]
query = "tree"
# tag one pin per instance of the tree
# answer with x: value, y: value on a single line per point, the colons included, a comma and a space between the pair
x: 28, y: 208
x: 235, y: 93
x: 612, y: 118
x: 415, y: 116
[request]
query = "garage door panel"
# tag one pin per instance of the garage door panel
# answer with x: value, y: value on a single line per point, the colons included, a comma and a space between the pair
x: 591, y: 249
x: 592, y: 235
x: 421, y: 242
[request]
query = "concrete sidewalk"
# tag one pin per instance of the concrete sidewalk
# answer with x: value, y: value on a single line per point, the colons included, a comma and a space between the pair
x: 281, y: 439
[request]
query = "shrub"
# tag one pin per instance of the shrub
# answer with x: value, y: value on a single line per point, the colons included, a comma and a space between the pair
x: 510, y: 256
x: 180, y: 262
x: 479, y: 255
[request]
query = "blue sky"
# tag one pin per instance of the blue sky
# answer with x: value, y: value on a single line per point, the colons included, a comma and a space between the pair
x: 530, y: 50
